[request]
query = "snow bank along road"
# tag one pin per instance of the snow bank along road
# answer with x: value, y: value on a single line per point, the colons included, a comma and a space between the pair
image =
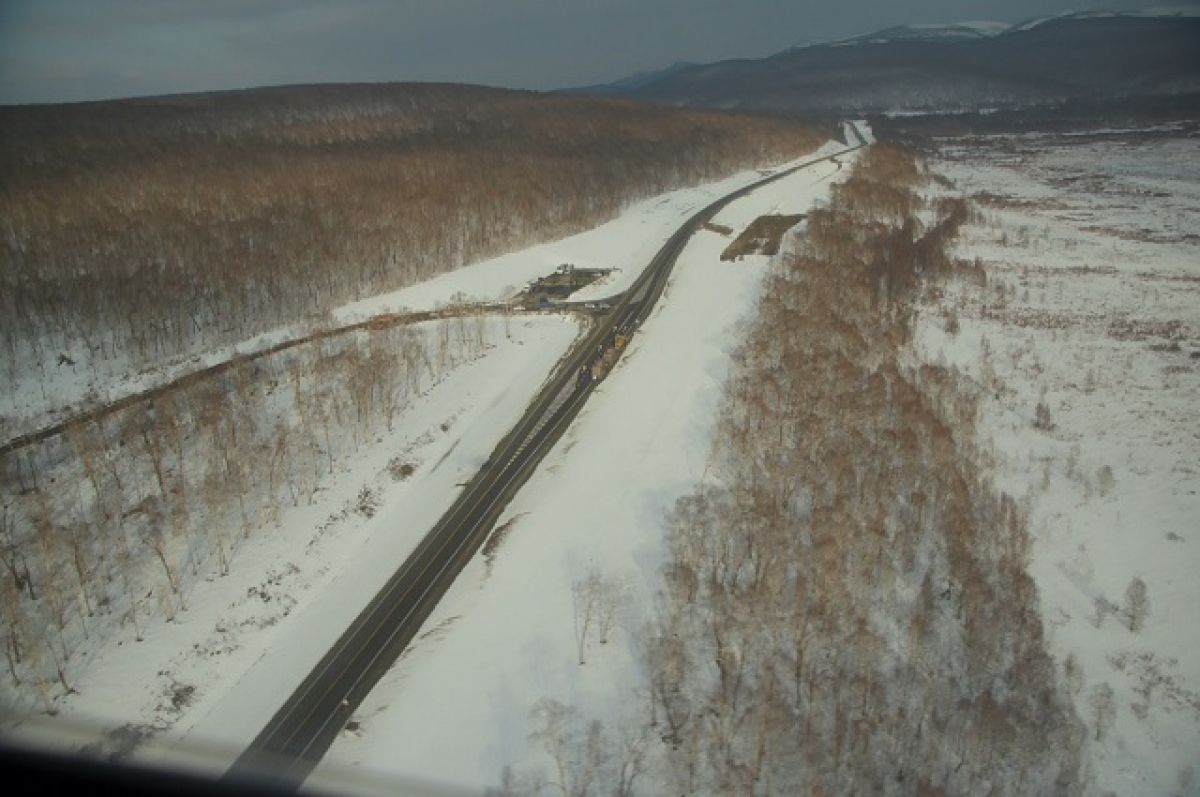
x: 304, y: 727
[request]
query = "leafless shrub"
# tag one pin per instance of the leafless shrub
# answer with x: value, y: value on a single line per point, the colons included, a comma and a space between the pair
x: 400, y: 469
x: 120, y: 742
x: 366, y: 503
x: 1170, y: 346
x: 1140, y: 329
x: 181, y: 695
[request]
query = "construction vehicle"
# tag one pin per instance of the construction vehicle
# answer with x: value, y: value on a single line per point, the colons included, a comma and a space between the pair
x: 606, y: 356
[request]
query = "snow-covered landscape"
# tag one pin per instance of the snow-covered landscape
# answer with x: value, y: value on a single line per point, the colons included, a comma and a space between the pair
x: 389, y: 405
x: 624, y: 244
x: 1088, y: 309
x: 1079, y: 343
x: 1085, y: 342
x: 196, y: 670
x: 505, y: 636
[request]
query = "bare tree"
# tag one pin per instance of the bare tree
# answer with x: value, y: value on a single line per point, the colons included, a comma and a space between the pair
x: 1137, y: 604
x: 80, y: 541
x: 443, y: 348
x: 13, y: 555
x: 582, y: 752
x: 668, y: 662
x: 596, y: 600
x: 54, y: 593
x: 154, y: 535
x: 14, y: 637
x: 632, y: 756
x: 606, y: 610
x: 214, y: 500
x: 360, y: 381
x: 150, y: 441
x: 168, y: 423
x: 83, y: 442
x: 1104, y: 710
x: 275, y: 463
x: 1072, y: 674
x: 552, y: 727
x: 128, y: 568
x: 416, y: 355
x: 586, y: 598
x: 34, y: 661
x: 383, y: 367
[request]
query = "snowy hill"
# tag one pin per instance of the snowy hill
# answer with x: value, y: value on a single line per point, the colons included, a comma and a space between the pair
x: 960, y: 66
x: 1161, y: 12
x: 960, y: 31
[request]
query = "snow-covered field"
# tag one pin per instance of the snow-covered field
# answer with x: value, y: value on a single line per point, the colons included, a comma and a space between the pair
x: 454, y: 710
x: 1092, y: 309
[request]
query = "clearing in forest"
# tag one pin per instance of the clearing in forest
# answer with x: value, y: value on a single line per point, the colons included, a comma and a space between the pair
x: 761, y: 237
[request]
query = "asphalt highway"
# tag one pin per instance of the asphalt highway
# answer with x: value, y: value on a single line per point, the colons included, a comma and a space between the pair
x: 294, y: 740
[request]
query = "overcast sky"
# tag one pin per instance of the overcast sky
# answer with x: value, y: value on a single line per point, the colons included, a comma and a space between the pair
x: 56, y: 50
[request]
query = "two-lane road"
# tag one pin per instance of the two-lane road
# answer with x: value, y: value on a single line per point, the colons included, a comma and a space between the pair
x: 305, y: 726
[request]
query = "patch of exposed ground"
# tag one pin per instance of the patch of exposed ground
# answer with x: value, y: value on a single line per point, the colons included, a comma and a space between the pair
x: 761, y: 236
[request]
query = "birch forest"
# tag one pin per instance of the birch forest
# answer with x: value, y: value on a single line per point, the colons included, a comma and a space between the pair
x: 138, y: 230
x: 846, y: 607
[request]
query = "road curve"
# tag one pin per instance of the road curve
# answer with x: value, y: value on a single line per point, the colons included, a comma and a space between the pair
x: 294, y: 740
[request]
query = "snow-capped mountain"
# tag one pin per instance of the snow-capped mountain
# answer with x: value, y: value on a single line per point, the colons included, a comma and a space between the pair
x: 961, y: 66
x: 1159, y: 12
x: 959, y: 31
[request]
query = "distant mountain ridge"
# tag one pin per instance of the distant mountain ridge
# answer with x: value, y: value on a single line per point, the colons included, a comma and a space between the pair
x: 962, y: 66
x: 958, y: 31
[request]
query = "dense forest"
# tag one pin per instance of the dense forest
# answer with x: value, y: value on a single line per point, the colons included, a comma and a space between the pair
x: 139, y: 230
